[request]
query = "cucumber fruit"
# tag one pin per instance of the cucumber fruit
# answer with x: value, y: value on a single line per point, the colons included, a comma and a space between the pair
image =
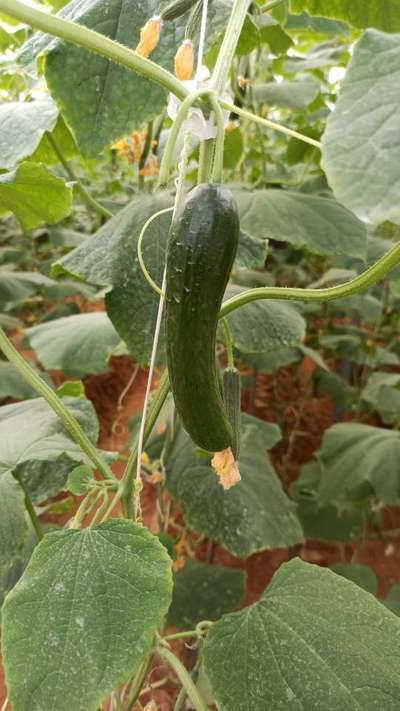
x: 201, y: 249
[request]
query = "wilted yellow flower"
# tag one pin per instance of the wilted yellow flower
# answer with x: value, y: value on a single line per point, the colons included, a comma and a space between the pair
x: 184, y: 60
x: 149, y: 36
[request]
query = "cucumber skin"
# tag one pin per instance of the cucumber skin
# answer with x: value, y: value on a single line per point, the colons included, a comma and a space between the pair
x: 201, y: 249
x: 231, y: 388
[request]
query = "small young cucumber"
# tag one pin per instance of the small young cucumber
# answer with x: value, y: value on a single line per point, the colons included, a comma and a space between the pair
x: 201, y: 249
x: 232, y: 401
x: 176, y: 9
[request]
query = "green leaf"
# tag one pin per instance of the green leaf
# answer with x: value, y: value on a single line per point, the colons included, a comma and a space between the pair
x: 383, y: 14
x: 77, y: 344
x: 319, y: 225
x: 287, y: 94
x: 90, y: 602
x: 109, y: 258
x: 360, y: 147
x: 262, y: 326
x: 233, y: 148
x: 382, y: 393
x: 22, y: 125
x: 315, y: 25
x: 45, y: 151
x: 13, y: 524
x: 31, y: 432
x: 204, y: 592
x: 251, y: 253
x: 320, y: 56
x: 392, y: 600
x: 361, y: 575
x: 323, y: 523
x: 78, y: 480
x: 359, y: 461
x: 271, y: 33
x: 238, y: 519
x: 34, y: 195
x: 314, y: 641
x: 15, y: 287
x: 14, y: 386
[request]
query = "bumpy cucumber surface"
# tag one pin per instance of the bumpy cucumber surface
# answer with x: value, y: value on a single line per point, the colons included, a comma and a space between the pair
x: 201, y: 249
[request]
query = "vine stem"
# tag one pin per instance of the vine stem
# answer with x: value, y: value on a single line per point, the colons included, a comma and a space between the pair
x: 183, y: 676
x: 94, y: 41
x: 88, y: 198
x: 37, y: 526
x: 52, y: 399
x: 268, y: 124
x: 364, y: 280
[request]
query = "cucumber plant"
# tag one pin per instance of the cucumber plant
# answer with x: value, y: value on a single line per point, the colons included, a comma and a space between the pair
x: 254, y: 191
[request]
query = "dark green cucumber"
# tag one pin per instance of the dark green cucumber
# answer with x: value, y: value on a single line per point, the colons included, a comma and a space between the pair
x: 232, y: 401
x: 176, y: 9
x: 201, y: 249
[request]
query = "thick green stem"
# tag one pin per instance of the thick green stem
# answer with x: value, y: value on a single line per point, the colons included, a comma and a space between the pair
x: 371, y: 275
x: 94, y: 41
x: 168, y: 155
x: 183, y: 676
x: 218, y: 167
x: 158, y: 399
x: 268, y: 124
x: 270, y: 5
x: 68, y: 420
x: 88, y: 198
x: 228, y: 46
x: 206, y: 158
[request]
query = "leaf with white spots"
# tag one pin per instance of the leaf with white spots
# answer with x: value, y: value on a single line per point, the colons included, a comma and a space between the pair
x: 314, y: 641
x: 83, y: 616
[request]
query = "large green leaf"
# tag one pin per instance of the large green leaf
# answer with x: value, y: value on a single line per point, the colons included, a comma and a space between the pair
x: 262, y: 326
x: 109, y: 258
x: 13, y: 385
x: 255, y: 514
x: 323, y: 522
x: 77, y: 344
x: 318, y: 224
x: 360, y: 147
x: 251, y: 253
x: 31, y: 432
x: 99, y: 99
x: 383, y: 14
x: 15, y: 287
x: 382, y: 393
x: 34, y: 195
x: 204, y: 592
x: 13, y: 524
x: 361, y: 575
x: 89, y: 602
x: 22, y: 126
x: 359, y: 461
x: 287, y: 94
x: 314, y: 641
